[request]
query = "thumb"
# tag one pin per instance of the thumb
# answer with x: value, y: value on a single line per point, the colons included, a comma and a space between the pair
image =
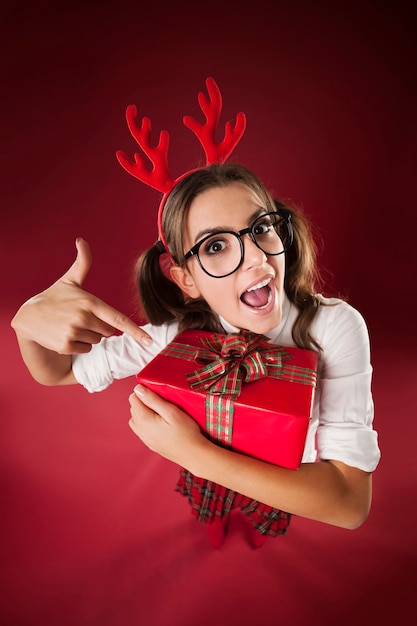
x: 154, y: 402
x: 78, y: 271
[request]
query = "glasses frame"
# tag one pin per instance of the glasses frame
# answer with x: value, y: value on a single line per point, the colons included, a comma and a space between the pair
x: 286, y: 215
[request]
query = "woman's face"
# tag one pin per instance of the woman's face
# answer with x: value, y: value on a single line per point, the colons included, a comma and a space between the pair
x: 251, y: 297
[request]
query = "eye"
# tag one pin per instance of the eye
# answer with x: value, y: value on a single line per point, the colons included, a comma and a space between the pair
x: 263, y: 226
x: 215, y: 245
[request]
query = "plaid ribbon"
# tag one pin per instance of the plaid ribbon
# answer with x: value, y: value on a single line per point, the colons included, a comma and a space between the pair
x: 229, y: 361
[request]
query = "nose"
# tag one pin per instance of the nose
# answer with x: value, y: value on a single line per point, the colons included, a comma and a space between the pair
x: 252, y: 255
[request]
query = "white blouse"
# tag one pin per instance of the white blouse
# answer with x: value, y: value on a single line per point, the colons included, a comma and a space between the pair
x: 341, y: 426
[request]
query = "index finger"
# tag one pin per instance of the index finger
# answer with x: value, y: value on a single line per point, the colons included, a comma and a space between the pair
x: 120, y: 321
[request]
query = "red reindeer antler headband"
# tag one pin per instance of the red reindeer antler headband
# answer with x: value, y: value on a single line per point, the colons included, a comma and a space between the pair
x: 158, y: 177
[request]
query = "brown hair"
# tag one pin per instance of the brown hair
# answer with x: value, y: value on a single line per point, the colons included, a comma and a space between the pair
x: 163, y: 301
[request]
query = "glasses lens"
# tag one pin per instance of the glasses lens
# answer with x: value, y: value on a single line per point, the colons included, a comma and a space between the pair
x: 271, y: 233
x: 220, y: 254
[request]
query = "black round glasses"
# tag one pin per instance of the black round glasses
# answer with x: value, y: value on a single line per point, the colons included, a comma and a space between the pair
x: 221, y: 252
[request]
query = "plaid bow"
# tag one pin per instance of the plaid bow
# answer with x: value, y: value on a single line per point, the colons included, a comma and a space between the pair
x: 229, y: 361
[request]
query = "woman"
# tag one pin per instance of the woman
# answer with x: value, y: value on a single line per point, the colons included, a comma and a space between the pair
x: 239, y: 260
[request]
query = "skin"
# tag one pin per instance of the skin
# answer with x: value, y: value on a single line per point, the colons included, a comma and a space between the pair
x: 65, y: 320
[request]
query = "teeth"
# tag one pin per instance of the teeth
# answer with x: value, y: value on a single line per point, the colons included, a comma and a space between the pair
x: 263, y: 283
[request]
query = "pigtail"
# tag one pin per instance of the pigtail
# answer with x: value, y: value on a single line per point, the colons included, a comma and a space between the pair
x: 302, y: 278
x: 159, y: 296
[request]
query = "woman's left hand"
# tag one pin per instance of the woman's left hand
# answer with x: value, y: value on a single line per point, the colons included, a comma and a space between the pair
x: 164, y: 428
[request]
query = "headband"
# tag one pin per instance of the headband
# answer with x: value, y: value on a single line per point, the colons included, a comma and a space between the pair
x: 216, y: 152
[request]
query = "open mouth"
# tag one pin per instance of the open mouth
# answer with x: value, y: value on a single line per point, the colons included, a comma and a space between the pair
x: 259, y: 296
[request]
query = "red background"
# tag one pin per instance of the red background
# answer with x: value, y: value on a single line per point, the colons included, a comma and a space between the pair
x: 91, y: 530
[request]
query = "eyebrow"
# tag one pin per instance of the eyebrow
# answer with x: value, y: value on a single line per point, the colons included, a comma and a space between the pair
x: 221, y: 229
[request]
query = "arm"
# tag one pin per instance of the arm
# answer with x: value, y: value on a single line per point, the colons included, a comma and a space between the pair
x: 66, y: 320
x: 329, y: 492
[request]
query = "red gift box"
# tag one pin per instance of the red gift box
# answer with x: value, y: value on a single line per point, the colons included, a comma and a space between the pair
x: 244, y: 392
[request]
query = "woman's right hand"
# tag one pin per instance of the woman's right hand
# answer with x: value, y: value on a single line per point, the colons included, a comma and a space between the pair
x: 65, y: 320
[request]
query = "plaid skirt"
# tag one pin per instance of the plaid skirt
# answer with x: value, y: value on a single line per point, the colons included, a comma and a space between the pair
x: 210, y: 501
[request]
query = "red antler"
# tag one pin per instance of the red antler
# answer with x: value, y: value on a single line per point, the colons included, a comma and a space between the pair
x: 215, y: 152
x: 158, y: 177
